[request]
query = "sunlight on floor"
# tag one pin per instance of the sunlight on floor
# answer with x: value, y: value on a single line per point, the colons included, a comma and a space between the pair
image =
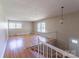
x: 15, y: 44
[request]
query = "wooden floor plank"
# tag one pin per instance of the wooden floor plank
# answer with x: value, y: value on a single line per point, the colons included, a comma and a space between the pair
x: 20, y: 53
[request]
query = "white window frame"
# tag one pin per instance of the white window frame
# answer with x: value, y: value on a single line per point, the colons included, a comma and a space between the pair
x: 41, y: 27
x: 15, y: 25
x: 18, y: 25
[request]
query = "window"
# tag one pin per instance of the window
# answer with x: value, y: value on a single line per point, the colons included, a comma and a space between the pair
x: 13, y: 25
x: 18, y: 25
x: 74, y: 41
x: 41, y: 27
x: 3, y: 25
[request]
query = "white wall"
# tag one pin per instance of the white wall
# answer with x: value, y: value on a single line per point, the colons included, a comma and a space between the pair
x: 3, y: 42
x: 3, y: 32
x: 65, y: 32
x: 26, y: 28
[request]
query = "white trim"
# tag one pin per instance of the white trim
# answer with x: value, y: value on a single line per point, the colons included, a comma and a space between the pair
x: 4, y: 50
x: 60, y: 51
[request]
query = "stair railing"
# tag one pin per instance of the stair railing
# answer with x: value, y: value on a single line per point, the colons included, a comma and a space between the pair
x: 58, y: 53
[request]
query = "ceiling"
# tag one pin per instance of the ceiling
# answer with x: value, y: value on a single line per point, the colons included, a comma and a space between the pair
x: 32, y: 10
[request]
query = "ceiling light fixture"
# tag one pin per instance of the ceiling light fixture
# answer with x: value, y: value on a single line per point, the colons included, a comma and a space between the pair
x: 62, y: 16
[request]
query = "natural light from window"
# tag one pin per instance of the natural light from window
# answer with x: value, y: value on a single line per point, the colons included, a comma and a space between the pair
x: 3, y: 25
x: 41, y: 27
x: 15, y: 25
x: 74, y: 41
x: 11, y: 25
x: 15, y: 44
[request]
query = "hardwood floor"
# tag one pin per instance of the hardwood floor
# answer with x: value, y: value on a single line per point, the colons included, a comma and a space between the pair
x: 18, y: 47
x: 22, y: 52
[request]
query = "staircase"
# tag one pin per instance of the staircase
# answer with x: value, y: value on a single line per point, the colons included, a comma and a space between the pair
x: 45, y: 50
x: 48, y: 51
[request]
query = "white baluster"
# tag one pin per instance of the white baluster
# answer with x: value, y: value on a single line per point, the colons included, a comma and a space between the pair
x: 43, y: 49
x: 56, y: 54
x: 38, y: 48
x: 47, y: 51
x: 63, y: 56
x: 51, y: 53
